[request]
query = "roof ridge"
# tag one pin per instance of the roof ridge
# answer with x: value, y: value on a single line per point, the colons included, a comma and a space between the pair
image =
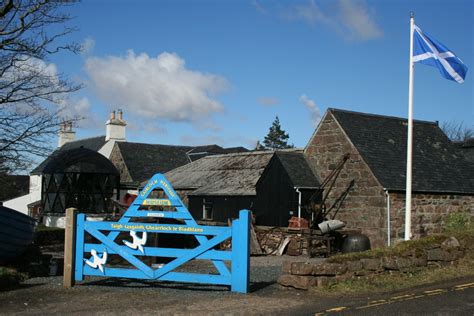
x: 381, y: 116
x: 257, y: 152
x: 87, y: 138
x: 165, y: 145
x: 260, y: 152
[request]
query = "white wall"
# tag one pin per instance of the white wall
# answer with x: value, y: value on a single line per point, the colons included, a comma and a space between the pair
x: 54, y: 221
x: 106, y: 150
x: 60, y: 221
x: 19, y: 204
x: 35, y: 187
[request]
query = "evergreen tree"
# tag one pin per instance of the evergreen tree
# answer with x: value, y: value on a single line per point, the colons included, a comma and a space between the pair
x: 276, y: 137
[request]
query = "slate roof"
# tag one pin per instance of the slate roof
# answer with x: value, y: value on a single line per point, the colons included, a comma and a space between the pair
x: 231, y: 174
x: 93, y: 143
x: 78, y: 160
x: 298, y: 169
x: 238, y: 174
x: 466, y: 148
x: 381, y: 140
x: 144, y: 160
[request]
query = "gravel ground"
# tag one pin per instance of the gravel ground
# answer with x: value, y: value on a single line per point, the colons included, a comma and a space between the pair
x: 105, y: 296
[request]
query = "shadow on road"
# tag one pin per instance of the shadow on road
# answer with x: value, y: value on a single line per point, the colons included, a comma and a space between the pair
x: 126, y: 283
x: 19, y: 287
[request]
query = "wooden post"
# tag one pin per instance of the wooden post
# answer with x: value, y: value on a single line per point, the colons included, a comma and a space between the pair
x: 69, y: 247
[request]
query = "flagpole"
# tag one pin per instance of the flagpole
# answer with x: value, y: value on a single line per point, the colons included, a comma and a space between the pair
x: 410, y: 136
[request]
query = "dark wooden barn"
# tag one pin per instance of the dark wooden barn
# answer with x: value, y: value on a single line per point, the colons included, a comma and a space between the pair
x: 79, y: 178
x: 268, y: 183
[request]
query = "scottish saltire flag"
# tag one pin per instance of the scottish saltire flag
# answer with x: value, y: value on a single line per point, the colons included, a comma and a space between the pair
x: 429, y: 51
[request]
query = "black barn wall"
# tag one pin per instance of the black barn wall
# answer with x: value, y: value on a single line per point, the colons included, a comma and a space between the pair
x: 276, y: 197
x: 223, y: 207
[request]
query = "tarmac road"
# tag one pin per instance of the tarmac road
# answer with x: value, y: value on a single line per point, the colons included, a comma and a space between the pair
x: 453, y: 298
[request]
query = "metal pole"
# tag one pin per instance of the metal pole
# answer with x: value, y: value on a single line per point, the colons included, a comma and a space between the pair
x: 410, y: 136
x: 388, y: 218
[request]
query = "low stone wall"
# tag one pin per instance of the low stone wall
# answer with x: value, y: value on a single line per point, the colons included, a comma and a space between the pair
x: 304, y: 275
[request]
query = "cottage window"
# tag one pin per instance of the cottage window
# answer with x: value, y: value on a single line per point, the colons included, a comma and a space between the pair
x: 206, y: 210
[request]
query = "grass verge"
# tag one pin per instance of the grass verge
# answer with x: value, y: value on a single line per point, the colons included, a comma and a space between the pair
x: 386, y: 282
x: 398, y: 281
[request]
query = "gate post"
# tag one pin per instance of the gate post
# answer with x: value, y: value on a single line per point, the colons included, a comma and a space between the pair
x: 79, y: 247
x: 69, y: 247
x: 240, y: 274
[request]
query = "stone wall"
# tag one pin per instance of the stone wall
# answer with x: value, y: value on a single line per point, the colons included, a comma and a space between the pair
x: 117, y: 159
x: 304, y: 275
x: 429, y: 212
x: 365, y: 206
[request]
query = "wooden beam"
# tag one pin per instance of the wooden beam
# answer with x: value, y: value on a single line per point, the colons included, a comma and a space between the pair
x: 69, y: 248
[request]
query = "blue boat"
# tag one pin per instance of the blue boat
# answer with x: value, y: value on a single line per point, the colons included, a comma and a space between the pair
x: 17, y: 231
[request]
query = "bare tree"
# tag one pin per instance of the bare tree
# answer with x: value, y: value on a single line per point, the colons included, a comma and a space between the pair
x: 32, y: 93
x: 456, y: 131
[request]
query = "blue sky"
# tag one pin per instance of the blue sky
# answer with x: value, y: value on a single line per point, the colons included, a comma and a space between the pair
x: 201, y: 72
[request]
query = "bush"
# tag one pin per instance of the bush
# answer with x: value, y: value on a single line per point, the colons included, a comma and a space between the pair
x: 458, y: 221
x: 49, y: 235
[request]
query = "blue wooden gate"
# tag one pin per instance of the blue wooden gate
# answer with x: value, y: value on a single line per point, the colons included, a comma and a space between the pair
x: 91, y: 258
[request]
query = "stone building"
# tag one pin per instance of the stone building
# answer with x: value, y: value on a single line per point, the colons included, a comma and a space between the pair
x: 443, y: 181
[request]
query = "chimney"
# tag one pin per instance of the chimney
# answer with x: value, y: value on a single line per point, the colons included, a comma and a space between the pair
x: 115, y: 127
x: 66, y: 134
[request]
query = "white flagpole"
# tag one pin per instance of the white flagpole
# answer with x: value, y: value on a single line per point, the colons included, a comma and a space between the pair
x: 410, y: 136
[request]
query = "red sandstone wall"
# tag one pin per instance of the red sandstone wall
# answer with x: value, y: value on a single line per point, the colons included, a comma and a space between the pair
x: 117, y: 159
x: 428, y: 212
x: 365, y: 206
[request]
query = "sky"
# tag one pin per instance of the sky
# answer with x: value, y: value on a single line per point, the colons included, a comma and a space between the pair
x: 204, y: 72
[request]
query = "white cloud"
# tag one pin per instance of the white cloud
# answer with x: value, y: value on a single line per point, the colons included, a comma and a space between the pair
x: 312, y: 108
x: 352, y: 19
x: 79, y: 108
x: 194, y: 140
x: 309, y: 13
x: 26, y: 67
x: 152, y: 129
x: 88, y: 46
x: 267, y: 101
x: 156, y: 87
x: 258, y: 6
x: 358, y: 18
x: 228, y: 141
